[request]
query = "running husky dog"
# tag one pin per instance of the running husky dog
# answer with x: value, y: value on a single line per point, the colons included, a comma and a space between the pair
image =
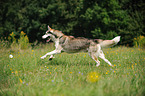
x: 70, y: 44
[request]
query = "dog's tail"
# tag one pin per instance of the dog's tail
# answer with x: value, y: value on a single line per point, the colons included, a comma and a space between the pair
x: 108, y: 43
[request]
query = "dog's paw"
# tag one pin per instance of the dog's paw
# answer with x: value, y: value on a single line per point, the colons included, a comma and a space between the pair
x: 43, y: 57
x: 97, y: 65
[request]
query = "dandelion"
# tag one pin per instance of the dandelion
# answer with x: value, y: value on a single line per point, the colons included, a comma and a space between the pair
x: 32, y: 50
x: 106, y: 72
x: 70, y: 72
x: 114, y: 65
x: 10, y: 56
x: 92, y: 77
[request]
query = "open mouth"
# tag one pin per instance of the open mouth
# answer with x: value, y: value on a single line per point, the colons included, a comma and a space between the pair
x: 46, y: 36
x: 48, y: 40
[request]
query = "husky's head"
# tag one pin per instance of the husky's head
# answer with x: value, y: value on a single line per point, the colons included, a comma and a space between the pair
x: 47, y: 34
x: 54, y: 32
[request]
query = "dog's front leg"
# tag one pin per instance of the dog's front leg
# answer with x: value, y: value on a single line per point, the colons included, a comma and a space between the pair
x: 51, y: 53
x: 51, y: 57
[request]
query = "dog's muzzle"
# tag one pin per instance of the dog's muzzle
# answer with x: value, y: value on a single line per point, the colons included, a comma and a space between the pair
x: 45, y: 36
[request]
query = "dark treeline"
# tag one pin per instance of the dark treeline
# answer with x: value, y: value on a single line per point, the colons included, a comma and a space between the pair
x: 102, y: 19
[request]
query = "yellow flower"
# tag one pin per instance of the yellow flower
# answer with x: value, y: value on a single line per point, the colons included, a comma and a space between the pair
x: 114, y: 65
x: 92, y: 77
x: 106, y: 72
x: 20, y: 80
x: 70, y: 72
x: 132, y: 66
x: 22, y: 33
x: 16, y: 72
x: 12, y: 34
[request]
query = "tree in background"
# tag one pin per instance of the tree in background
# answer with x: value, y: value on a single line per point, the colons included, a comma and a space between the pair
x: 103, y: 19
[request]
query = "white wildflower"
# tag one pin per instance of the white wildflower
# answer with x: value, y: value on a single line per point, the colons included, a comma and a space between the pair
x: 10, y: 56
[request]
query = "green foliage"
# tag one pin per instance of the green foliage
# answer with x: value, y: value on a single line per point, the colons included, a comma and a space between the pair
x: 139, y: 42
x: 89, y: 18
x: 68, y: 74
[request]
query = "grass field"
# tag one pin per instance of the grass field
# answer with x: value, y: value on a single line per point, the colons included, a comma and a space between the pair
x: 72, y: 74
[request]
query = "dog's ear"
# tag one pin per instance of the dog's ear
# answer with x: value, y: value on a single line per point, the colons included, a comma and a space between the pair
x: 48, y: 27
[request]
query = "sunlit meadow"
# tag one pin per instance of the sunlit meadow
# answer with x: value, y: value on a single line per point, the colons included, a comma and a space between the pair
x: 22, y: 72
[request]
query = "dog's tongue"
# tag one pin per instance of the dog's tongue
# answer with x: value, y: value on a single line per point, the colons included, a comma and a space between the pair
x: 48, y: 40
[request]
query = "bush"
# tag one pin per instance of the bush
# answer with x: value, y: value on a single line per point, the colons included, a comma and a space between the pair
x: 139, y: 42
x: 23, y: 41
x: 12, y: 39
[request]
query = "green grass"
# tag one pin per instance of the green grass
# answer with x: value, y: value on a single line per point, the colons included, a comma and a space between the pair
x: 66, y: 75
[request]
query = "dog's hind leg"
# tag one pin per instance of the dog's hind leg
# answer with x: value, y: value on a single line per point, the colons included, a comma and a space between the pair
x: 102, y: 56
x: 51, y: 53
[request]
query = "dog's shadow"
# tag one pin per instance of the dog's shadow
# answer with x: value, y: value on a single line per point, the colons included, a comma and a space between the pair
x: 50, y: 62
x: 56, y: 61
